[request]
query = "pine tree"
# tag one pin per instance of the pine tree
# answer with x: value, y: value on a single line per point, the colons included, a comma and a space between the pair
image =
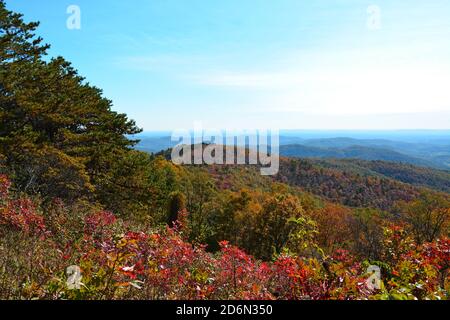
x: 58, y: 134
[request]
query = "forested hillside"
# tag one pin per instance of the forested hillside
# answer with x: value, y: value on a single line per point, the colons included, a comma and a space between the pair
x: 425, y: 151
x: 74, y: 192
x: 433, y: 154
x: 352, y: 152
x: 419, y: 176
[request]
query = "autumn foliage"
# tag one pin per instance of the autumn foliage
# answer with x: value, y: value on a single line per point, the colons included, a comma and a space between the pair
x: 119, y: 263
x: 77, y: 200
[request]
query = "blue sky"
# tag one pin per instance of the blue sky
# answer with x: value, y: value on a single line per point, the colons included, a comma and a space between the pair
x: 287, y: 64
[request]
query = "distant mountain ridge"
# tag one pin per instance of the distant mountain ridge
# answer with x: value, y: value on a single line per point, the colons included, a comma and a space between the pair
x: 352, y: 152
x: 433, y: 153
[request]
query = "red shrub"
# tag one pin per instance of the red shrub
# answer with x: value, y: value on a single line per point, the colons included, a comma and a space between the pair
x: 20, y: 213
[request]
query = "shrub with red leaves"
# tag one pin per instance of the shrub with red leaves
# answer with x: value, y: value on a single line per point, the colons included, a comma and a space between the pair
x: 20, y: 213
x: 119, y: 262
x: 5, y: 184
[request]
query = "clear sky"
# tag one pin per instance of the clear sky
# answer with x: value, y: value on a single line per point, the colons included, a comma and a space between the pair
x: 289, y: 64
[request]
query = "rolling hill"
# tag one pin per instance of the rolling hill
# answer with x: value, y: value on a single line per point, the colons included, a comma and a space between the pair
x: 352, y: 152
x: 433, y: 153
